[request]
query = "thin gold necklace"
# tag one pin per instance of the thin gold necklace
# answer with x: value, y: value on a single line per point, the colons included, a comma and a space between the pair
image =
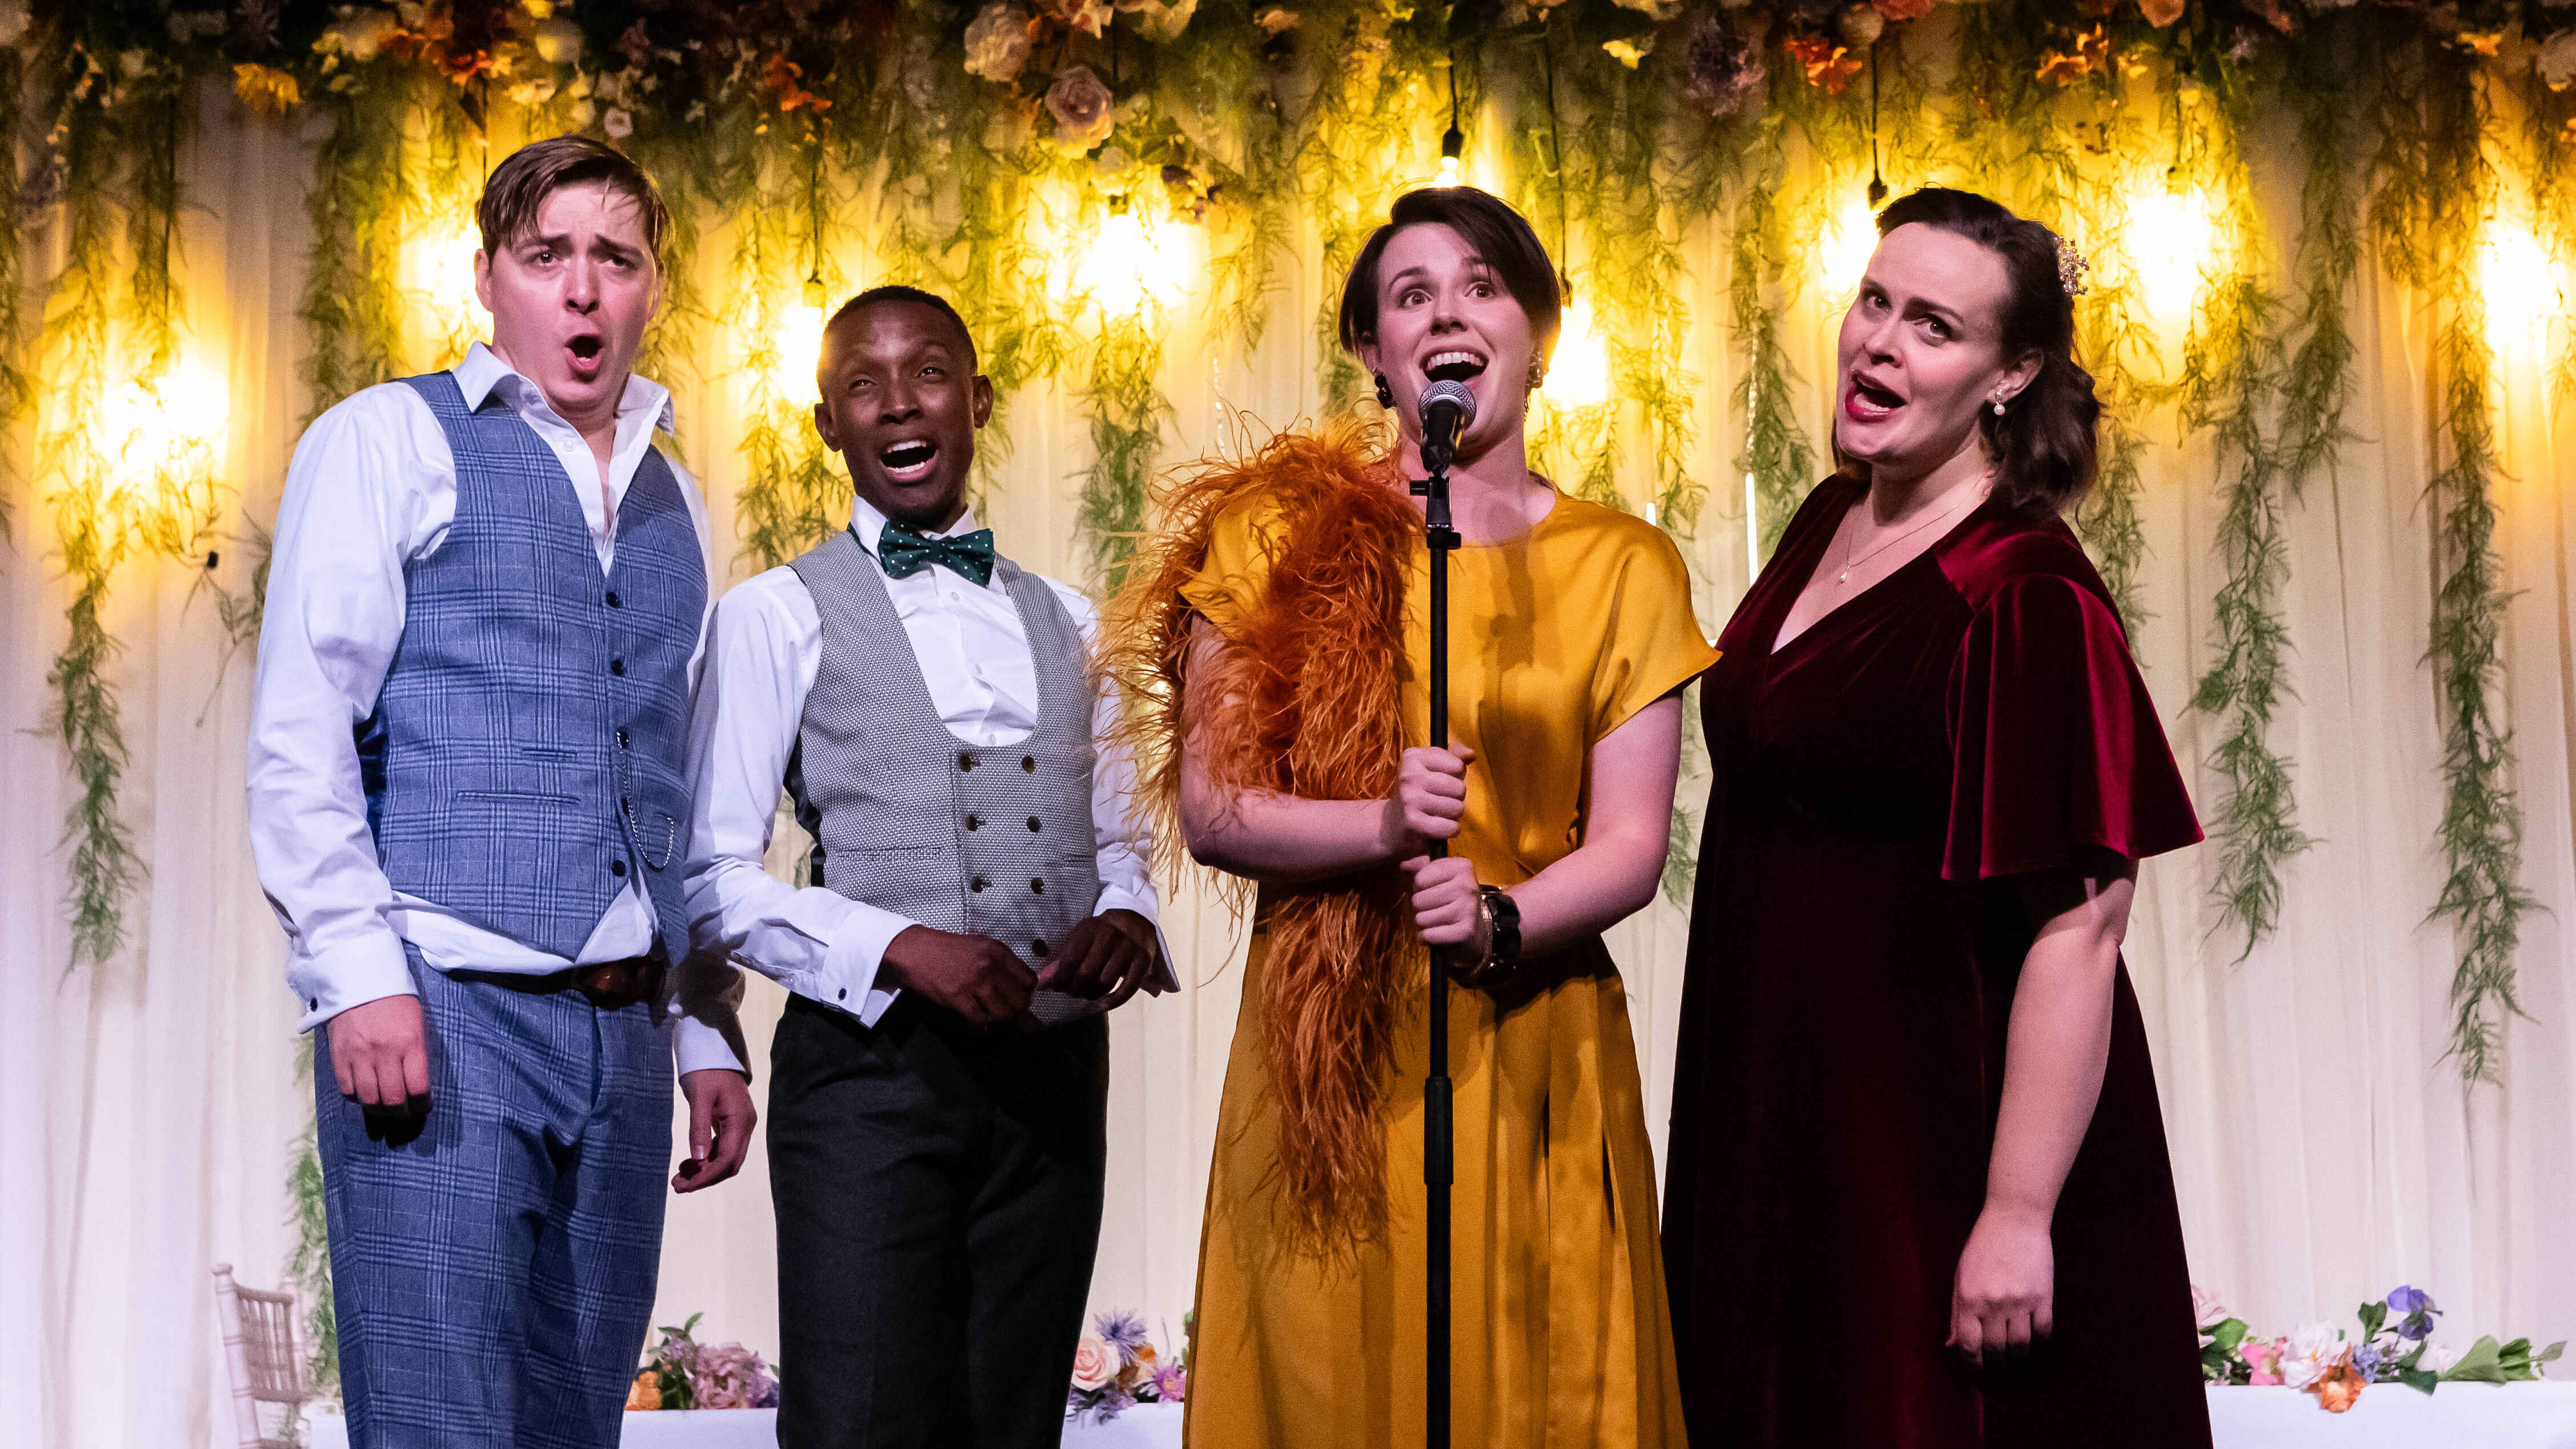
x: 1976, y: 492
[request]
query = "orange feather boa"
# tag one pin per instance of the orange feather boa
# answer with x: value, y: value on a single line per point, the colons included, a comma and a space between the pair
x: 1306, y: 702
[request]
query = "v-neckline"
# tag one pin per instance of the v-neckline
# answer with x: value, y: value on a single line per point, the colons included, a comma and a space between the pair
x: 1780, y: 646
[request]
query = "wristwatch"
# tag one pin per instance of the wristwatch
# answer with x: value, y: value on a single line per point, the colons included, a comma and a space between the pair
x: 1502, y: 917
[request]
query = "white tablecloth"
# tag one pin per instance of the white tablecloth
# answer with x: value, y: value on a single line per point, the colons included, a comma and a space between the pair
x: 2392, y: 1416
x: 1146, y: 1426
x: 2389, y: 1416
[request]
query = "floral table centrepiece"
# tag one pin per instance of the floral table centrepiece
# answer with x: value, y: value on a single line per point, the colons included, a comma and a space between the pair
x: 2396, y: 1347
x: 1116, y: 1367
x: 682, y: 1373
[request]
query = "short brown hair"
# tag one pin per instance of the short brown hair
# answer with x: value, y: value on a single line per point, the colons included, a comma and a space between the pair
x: 1492, y: 230
x: 519, y: 186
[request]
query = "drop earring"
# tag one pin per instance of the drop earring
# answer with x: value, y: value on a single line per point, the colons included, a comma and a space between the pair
x: 1999, y: 407
x: 1385, y: 394
x: 1537, y: 376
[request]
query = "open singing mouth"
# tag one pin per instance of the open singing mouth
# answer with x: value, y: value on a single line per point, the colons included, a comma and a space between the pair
x: 1454, y: 365
x: 908, y: 459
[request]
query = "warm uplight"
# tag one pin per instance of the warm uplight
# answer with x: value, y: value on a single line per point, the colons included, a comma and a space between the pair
x: 1448, y: 171
x: 2523, y: 288
x: 1126, y: 266
x: 1844, y: 248
x: 157, y: 429
x: 442, y: 273
x: 2170, y: 238
x: 800, y: 348
x: 1579, y: 375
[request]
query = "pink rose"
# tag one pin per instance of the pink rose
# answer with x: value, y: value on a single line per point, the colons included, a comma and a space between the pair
x: 1095, y: 1363
x: 2265, y: 1360
x: 1082, y: 107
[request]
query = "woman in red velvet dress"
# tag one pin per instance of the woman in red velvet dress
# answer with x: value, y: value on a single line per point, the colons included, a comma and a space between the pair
x: 1918, y: 1194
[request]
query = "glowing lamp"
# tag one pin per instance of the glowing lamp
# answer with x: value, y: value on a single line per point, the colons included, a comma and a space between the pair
x: 442, y: 266
x: 1844, y: 248
x: 1579, y: 376
x: 800, y: 347
x: 2518, y: 282
x: 155, y: 430
x: 2170, y: 236
x: 1125, y: 266
x: 1452, y: 146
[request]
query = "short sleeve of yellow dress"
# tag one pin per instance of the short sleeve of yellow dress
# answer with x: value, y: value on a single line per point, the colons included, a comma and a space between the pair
x: 1562, y: 1334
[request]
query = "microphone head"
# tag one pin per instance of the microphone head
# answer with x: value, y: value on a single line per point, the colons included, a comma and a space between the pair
x: 1453, y: 393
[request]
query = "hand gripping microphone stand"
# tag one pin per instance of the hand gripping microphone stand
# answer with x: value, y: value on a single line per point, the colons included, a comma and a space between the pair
x: 1446, y: 410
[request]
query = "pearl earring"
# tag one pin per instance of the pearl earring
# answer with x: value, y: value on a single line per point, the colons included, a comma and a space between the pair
x: 1999, y: 407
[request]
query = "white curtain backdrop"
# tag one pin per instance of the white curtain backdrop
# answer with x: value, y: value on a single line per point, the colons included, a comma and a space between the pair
x: 2325, y: 1152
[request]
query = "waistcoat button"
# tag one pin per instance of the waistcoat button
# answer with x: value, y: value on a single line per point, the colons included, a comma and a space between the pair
x: 965, y: 761
x: 612, y: 600
x: 977, y: 884
x: 617, y: 667
x: 1039, y: 947
x: 617, y: 868
x: 974, y: 822
x: 1029, y: 763
x: 1033, y: 822
x: 621, y: 738
x: 1037, y: 884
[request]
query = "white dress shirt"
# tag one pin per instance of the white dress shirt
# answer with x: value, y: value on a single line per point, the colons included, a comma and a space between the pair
x: 766, y: 642
x: 372, y: 488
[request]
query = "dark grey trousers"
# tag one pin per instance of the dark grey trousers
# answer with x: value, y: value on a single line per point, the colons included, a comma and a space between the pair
x: 938, y: 1196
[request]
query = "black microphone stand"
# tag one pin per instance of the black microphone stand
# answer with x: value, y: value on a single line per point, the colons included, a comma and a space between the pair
x: 1437, y: 1131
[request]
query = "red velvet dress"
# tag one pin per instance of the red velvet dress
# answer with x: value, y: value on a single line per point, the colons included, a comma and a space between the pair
x: 1854, y: 945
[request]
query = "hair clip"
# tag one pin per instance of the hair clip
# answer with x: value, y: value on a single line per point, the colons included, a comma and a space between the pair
x: 2071, y: 268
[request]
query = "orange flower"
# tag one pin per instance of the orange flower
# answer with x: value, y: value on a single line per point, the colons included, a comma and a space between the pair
x: 786, y: 78
x: 2161, y: 13
x: 1825, y: 63
x: 2479, y: 42
x: 2092, y: 52
x: 645, y: 1393
x: 265, y: 90
x: 2340, y: 1388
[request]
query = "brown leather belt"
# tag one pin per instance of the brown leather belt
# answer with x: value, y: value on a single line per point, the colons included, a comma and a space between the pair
x: 621, y: 983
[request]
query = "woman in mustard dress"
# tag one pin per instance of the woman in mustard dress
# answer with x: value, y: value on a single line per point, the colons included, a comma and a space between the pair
x: 1278, y: 624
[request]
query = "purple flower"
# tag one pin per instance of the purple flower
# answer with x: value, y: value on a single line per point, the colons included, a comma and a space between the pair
x: 1122, y: 1331
x: 2417, y: 1306
x: 1720, y: 68
x: 2409, y: 1301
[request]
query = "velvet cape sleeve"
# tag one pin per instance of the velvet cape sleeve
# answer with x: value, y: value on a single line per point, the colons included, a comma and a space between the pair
x: 2059, y: 753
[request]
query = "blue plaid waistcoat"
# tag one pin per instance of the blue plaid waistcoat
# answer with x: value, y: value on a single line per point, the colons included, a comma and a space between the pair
x: 525, y: 756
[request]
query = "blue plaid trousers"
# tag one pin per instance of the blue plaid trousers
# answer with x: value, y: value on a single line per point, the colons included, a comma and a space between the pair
x: 494, y: 1275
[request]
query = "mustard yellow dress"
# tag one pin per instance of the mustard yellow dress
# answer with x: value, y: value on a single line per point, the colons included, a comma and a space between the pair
x: 1562, y: 1336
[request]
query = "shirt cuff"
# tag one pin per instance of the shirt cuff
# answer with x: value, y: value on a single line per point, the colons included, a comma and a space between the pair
x: 850, y: 965
x: 1119, y: 898
x: 698, y: 1046
x: 363, y: 969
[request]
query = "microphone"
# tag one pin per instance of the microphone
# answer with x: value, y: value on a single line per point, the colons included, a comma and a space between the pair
x: 1447, y: 410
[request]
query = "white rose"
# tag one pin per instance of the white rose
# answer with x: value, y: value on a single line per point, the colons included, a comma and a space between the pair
x: 1657, y: 11
x: 617, y: 123
x: 2558, y: 60
x: 2314, y: 1349
x: 997, y: 43
x: 557, y: 41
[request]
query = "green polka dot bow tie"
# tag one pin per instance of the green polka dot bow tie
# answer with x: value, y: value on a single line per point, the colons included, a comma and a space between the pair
x: 905, y: 553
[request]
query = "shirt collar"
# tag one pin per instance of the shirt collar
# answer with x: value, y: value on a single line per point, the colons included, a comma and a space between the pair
x: 867, y: 524
x: 483, y: 371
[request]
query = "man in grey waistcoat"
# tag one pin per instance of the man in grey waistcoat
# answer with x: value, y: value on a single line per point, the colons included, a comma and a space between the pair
x: 468, y: 803
x: 977, y: 899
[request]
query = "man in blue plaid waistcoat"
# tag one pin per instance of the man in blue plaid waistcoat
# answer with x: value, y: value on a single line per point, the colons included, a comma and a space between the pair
x: 468, y: 803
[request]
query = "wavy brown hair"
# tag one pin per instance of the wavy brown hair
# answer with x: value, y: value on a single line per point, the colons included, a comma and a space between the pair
x: 2045, y: 444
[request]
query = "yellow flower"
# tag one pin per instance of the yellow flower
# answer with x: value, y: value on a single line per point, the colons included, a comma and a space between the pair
x: 265, y: 90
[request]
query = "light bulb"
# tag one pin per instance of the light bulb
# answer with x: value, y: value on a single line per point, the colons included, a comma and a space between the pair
x: 170, y: 425
x: 2170, y: 236
x: 1843, y: 249
x: 2519, y: 283
x: 1579, y: 376
x: 1125, y: 266
x: 800, y: 348
x: 1448, y: 171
